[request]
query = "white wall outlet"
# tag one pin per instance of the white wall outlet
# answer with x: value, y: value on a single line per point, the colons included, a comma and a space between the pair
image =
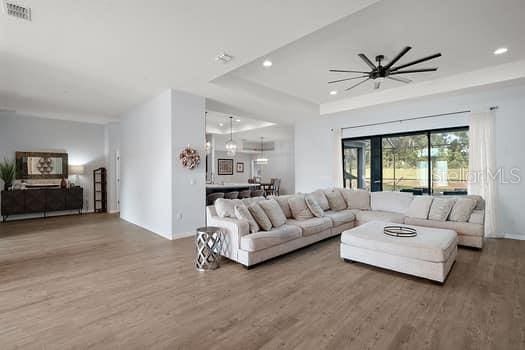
x: 192, y: 181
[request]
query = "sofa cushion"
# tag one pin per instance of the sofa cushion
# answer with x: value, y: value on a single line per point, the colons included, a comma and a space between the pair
x: 477, y: 217
x: 356, y: 198
x: 226, y: 207
x: 242, y: 212
x: 340, y: 217
x: 462, y: 209
x: 266, y: 239
x: 283, y: 202
x: 440, y: 208
x: 320, y: 198
x: 365, y: 216
x: 434, y: 245
x: 299, y: 208
x: 462, y: 228
x: 260, y: 216
x: 312, y: 226
x: 420, y: 207
x: 274, y: 212
x: 335, y: 200
x: 396, y: 202
x: 314, y: 207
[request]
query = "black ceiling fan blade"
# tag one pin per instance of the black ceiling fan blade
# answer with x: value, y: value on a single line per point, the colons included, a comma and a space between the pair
x: 346, y: 71
x: 400, y: 79
x: 367, y: 60
x: 399, y: 55
x: 356, y: 85
x: 436, y: 55
x: 415, y: 71
x: 337, y: 81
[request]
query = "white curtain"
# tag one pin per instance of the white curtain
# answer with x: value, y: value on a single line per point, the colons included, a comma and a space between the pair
x: 338, y: 161
x: 482, y: 166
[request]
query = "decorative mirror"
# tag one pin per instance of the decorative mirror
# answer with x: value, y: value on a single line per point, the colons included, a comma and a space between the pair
x: 41, y: 165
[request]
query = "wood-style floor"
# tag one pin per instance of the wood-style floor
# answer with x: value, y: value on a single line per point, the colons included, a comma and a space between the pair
x: 98, y: 282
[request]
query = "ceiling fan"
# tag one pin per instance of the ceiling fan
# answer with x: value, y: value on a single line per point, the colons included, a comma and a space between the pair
x: 388, y: 71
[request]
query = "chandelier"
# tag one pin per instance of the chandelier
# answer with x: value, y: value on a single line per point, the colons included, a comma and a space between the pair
x: 231, y: 146
x: 262, y: 160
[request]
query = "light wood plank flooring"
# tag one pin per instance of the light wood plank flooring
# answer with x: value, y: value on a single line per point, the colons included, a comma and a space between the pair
x: 98, y: 282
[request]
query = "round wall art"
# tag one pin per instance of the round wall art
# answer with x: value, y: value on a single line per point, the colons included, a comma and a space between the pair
x: 189, y: 158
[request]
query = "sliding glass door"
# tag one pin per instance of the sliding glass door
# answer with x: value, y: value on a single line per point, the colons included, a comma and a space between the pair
x: 405, y: 165
x: 356, y: 164
x: 449, y: 161
x: 433, y: 161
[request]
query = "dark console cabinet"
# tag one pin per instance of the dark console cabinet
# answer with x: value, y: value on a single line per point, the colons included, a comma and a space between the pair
x: 41, y: 201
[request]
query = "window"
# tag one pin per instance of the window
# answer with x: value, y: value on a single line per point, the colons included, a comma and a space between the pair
x: 434, y: 161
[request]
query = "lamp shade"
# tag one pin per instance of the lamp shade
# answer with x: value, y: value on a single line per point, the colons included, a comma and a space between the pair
x: 76, y: 170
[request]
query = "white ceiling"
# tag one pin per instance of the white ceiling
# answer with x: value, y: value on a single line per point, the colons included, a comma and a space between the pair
x: 93, y: 59
x: 466, y: 32
x: 219, y: 123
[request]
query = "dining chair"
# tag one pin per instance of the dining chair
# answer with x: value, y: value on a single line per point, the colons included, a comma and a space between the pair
x: 212, y: 197
x: 231, y: 195
x: 245, y: 194
x: 258, y: 193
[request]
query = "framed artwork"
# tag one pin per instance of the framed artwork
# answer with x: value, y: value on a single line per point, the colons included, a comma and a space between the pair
x: 225, y: 166
x: 240, y: 167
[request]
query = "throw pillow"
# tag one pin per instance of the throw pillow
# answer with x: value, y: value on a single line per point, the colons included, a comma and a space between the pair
x: 420, y: 207
x: 314, y: 207
x: 242, y: 213
x: 283, y: 202
x: 274, y: 212
x: 335, y: 200
x: 226, y: 207
x: 320, y: 198
x: 440, y: 208
x: 462, y: 209
x: 260, y: 216
x: 356, y: 199
x: 299, y: 208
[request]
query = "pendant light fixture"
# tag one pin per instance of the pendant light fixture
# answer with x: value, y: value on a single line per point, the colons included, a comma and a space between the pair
x: 231, y: 147
x: 262, y: 160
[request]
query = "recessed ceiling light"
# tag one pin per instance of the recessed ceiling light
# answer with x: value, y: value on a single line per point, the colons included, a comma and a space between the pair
x: 221, y: 124
x: 238, y: 120
x: 267, y: 63
x: 500, y: 51
x: 333, y: 92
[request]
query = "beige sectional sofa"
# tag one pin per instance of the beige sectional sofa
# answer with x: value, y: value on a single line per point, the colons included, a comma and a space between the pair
x: 247, y: 248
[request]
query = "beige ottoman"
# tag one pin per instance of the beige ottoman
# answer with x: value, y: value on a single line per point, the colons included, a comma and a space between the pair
x: 430, y: 254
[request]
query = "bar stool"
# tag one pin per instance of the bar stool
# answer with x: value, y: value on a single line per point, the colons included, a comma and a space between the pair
x: 245, y: 194
x: 212, y: 197
x: 231, y: 195
x: 258, y: 193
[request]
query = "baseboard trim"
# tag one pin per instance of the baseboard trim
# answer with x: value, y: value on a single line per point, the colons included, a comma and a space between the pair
x: 517, y: 237
x: 183, y: 235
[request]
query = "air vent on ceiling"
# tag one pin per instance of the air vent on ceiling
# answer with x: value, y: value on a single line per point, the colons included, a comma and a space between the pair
x: 17, y: 10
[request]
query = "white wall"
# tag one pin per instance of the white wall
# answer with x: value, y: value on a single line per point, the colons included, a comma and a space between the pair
x: 280, y: 160
x: 112, y: 132
x: 245, y: 158
x: 84, y: 143
x: 314, y: 148
x: 189, y: 186
x: 281, y: 165
x: 145, y: 165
